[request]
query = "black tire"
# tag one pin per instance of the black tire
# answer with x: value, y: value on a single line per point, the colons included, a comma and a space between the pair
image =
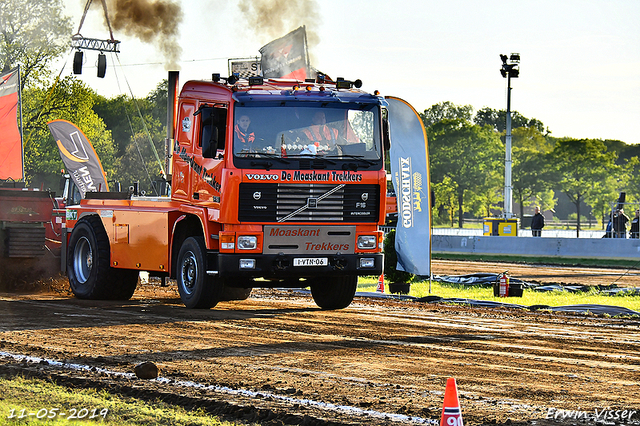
x: 125, y: 282
x: 88, y: 260
x: 235, y: 293
x: 334, y: 293
x: 197, y: 289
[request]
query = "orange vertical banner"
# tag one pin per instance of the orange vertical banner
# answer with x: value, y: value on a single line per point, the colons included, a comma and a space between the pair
x: 10, y: 138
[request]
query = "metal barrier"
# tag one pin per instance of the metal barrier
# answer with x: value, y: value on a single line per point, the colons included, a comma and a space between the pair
x: 586, y: 248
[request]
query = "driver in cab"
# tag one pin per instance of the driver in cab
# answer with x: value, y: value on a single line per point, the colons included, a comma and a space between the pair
x: 319, y: 135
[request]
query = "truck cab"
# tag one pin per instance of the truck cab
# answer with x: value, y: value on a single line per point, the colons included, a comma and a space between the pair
x: 273, y: 183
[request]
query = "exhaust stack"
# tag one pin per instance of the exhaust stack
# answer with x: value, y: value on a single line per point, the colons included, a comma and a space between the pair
x: 172, y: 104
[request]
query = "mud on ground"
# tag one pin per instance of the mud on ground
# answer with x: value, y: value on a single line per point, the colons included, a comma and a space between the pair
x: 277, y: 359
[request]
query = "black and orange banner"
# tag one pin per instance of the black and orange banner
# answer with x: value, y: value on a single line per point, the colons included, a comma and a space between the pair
x: 286, y: 57
x: 79, y: 157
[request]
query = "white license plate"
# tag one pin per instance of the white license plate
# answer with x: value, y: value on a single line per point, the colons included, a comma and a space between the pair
x: 311, y: 261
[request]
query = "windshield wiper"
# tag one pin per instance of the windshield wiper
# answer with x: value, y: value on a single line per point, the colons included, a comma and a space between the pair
x: 311, y: 156
x: 263, y: 155
x: 354, y: 157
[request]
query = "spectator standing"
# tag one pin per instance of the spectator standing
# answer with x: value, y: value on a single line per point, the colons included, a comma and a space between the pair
x: 635, y: 226
x: 620, y: 221
x: 537, y: 223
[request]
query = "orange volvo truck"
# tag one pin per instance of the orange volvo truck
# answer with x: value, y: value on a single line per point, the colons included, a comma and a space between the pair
x: 274, y: 183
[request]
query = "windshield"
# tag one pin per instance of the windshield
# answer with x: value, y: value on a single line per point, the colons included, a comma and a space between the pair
x: 342, y: 131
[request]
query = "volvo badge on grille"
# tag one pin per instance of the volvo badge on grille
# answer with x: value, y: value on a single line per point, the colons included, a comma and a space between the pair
x: 312, y: 202
x: 365, y: 196
x: 257, y: 195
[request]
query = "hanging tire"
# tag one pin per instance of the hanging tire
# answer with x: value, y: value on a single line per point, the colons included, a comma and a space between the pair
x: 334, y: 293
x: 197, y: 289
x: 88, y: 260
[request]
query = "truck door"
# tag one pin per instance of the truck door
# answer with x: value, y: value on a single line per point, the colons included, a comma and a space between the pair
x: 208, y: 153
x: 183, y: 151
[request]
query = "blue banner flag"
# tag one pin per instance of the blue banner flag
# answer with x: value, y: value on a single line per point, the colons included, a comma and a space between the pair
x: 409, y: 157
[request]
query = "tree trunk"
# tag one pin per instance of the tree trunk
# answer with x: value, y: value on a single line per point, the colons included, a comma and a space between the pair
x: 521, y: 211
x: 460, y: 209
x: 578, y: 219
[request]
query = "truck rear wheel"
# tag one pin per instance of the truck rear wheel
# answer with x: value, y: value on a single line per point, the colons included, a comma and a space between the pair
x: 334, y: 293
x: 197, y: 289
x: 88, y: 260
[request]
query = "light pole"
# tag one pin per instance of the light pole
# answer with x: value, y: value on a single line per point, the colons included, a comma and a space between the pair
x: 510, y: 69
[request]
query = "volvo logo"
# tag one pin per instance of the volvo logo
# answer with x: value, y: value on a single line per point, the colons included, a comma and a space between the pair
x: 365, y: 196
x: 257, y: 195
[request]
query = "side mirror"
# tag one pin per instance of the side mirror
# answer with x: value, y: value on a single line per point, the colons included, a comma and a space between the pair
x: 210, y: 145
x: 386, y: 140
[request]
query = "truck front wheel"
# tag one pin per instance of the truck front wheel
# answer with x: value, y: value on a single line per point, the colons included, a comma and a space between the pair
x: 234, y: 293
x: 197, y: 289
x: 334, y: 293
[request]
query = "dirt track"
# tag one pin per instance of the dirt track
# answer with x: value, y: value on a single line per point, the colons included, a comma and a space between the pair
x: 375, y: 359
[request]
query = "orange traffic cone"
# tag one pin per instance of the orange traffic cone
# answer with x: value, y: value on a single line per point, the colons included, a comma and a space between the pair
x: 380, y: 288
x: 451, y: 415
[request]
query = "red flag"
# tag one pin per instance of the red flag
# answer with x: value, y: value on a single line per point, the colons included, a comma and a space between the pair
x: 10, y: 140
x: 286, y: 57
x: 79, y: 157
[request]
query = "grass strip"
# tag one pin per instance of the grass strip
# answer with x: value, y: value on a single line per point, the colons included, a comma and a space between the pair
x: 529, y: 297
x: 52, y: 404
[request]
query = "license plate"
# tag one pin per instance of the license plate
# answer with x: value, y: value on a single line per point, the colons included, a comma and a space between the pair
x: 311, y: 261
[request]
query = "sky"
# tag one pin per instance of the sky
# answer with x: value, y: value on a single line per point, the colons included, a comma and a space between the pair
x: 579, y: 69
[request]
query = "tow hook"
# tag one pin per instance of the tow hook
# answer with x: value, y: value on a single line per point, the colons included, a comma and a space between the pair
x: 281, y: 262
x: 339, y: 263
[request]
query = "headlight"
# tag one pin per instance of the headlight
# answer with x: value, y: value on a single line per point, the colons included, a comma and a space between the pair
x: 247, y: 242
x: 247, y: 264
x: 367, y: 242
x: 367, y: 262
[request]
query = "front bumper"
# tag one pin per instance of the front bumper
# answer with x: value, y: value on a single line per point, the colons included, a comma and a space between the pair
x: 281, y: 265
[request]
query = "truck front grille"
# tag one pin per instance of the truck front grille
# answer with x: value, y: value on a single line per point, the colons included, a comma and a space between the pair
x: 279, y: 202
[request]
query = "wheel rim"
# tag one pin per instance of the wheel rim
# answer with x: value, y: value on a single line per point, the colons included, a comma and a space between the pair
x: 82, y: 260
x: 189, y: 272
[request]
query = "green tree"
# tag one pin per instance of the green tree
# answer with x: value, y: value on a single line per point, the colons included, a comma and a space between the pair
x: 446, y: 201
x: 469, y: 155
x: 582, y: 164
x: 497, y: 119
x: 117, y: 113
x: 139, y: 130
x: 604, y: 197
x: 69, y: 100
x: 121, y: 116
x: 446, y: 111
x: 32, y: 34
x: 532, y: 177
